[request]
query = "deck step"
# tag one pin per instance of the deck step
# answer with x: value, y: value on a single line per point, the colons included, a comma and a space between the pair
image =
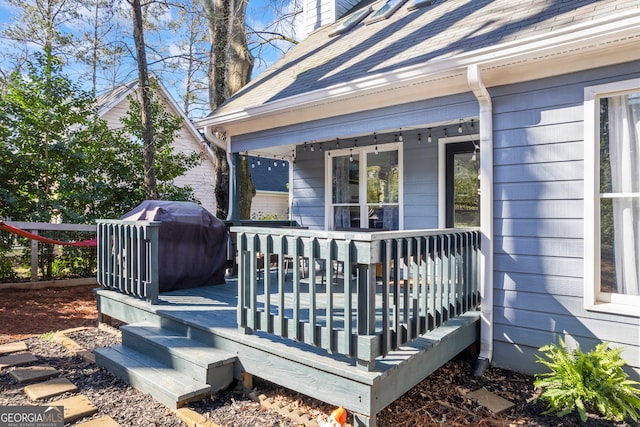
x: 192, y: 358
x: 166, y: 384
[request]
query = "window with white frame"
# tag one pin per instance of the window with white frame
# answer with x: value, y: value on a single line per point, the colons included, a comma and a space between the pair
x: 612, y: 197
x: 365, y: 188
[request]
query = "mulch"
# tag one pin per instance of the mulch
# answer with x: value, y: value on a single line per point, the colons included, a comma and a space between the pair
x: 439, y: 400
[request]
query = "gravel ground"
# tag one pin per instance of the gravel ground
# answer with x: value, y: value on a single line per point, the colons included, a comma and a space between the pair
x: 123, y: 403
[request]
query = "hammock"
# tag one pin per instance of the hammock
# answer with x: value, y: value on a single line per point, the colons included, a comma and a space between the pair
x: 23, y: 233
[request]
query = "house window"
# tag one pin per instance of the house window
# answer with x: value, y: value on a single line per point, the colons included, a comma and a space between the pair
x: 365, y: 189
x: 612, y: 138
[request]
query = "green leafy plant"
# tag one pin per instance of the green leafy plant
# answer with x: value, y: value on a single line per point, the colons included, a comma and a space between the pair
x: 587, y: 382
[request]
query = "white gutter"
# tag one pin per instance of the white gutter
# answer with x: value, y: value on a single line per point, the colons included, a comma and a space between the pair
x: 212, y: 137
x: 486, y: 217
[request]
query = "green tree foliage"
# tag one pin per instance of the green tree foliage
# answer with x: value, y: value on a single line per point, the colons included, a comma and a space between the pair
x: 39, y: 112
x: 59, y: 160
x: 168, y: 163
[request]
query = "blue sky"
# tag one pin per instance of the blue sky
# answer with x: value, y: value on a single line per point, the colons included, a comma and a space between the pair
x: 259, y: 15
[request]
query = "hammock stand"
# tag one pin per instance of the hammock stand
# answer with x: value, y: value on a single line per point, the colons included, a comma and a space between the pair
x: 32, y: 236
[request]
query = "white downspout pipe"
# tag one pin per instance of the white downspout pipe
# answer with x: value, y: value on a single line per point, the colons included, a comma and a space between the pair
x: 486, y: 217
x: 212, y: 137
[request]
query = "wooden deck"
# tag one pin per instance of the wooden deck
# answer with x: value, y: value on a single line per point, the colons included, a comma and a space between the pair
x: 202, y: 323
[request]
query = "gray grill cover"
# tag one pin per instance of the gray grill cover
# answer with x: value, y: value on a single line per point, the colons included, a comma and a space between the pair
x: 193, y: 243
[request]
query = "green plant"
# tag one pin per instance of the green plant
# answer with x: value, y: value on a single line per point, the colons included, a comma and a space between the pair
x: 587, y: 382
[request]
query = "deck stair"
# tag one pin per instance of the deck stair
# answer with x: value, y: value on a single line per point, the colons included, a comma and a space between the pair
x: 173, y: 368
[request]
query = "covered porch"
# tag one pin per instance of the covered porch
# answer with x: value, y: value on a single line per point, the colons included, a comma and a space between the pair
x: 349, y: 317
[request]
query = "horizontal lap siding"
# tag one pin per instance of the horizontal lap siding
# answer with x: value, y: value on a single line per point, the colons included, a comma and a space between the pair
x: 308, y: 189
x: 538, y: 222
x: 420, y: 185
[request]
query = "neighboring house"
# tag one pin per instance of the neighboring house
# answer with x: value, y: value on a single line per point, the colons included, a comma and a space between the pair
x: 114, y: 104
x: 400, y: 99
x: 271, y: 180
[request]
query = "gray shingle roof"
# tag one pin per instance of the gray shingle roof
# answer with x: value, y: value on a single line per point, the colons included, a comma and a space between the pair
x: 442, y: 30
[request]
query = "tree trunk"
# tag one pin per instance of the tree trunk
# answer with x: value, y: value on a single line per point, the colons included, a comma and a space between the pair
x: 150, y: 185
x: 230, y: 65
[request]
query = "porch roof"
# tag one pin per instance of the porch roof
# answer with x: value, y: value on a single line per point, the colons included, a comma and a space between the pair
x: 432, y: 46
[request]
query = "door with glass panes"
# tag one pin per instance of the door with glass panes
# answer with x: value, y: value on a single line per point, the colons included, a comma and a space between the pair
x: 365, y: 188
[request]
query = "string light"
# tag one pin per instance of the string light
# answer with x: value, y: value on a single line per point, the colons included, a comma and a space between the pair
x: 471, y: 124
x: 429, y: 136
x: 283, y: 162
x: 305, y: 146
x: 375, y: 141
x: 445, y: 132
x: 400, y: 136
x: 311, y: 148
x: 351, y: 154
x: 269, y: 167
x: 460, y: 126
x: 258, y: 161
x: 419, y: 139
x: 337, y: 143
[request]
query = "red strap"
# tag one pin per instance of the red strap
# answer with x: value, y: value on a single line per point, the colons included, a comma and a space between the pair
x: 19, y: 232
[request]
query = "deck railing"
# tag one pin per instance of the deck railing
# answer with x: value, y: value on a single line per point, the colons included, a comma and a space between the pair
x: 360, y: 294
x: 128, y: 257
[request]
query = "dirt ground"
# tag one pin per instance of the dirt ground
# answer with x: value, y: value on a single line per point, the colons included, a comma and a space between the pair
x: 27, y: 313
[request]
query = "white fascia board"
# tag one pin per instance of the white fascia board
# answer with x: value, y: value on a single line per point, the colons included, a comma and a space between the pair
x: 108, y: 107
x: 573, y: 40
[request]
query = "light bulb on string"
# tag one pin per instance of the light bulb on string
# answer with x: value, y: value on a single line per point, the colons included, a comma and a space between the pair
x: 460, y: 126
x: 419, y: 139
x: 400, y: 136
x: 429, y: 139
x: 258, y: 161
x: 445, y: 132
x: 269, y: 167
x: 311, y: 148
x: 351, y: 155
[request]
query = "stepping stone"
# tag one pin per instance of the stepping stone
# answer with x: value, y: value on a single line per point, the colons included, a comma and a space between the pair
x: 49, y: 388
x: 105, y: 421
x: 33, y: 373
x: 17, y: 359
x: 13, y: 347
x: 75, y: 407
x: 492, y: 402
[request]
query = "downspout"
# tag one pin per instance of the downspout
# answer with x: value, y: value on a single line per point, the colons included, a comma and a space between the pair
x: 211, y: 137
x: 486, y: 218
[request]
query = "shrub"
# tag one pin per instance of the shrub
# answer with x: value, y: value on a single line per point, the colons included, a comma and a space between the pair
x: 587, y: 382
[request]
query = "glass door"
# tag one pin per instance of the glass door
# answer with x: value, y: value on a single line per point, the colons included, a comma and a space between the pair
x: 462, y: 185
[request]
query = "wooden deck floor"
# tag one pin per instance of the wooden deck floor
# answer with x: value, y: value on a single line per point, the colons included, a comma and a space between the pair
x: 208, y: 314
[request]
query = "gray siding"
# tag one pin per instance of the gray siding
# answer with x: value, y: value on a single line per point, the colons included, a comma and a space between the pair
x: 538, y: 213
x: 421, y: 184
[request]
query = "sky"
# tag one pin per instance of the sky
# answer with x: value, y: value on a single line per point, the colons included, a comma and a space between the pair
x: 259, y: 14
